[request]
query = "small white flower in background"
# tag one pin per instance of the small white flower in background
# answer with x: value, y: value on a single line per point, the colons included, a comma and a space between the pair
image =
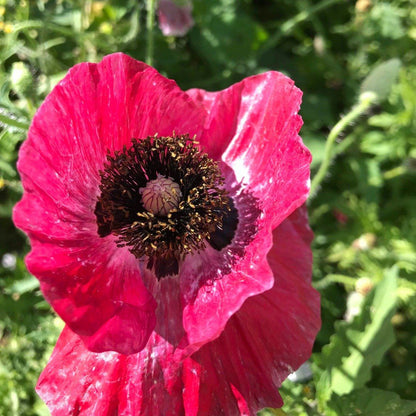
x: 364, y: 242
x: 355, y: 300
x: 364, y: 285
x: 175, y: 17
x: 354, y: 304
x: 302, y: 374
x: 8, y: 261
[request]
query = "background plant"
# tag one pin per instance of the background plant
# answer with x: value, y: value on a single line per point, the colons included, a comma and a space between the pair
x: 355, y: 62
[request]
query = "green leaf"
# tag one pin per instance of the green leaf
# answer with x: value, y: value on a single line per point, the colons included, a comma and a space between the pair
x: 272, y: 412
x: 6, y: 169
x: 358, y: 346
x: 372, y: 402
x: 323, y: 392
x: 221, y: 30
x: 381, y: 78
x: 386, y: 20
x: 27, y: 284
x: 8, y: 120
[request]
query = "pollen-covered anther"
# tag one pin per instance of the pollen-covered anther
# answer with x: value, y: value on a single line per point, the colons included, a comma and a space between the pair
x: 164, y: 199
x: 161, y: 195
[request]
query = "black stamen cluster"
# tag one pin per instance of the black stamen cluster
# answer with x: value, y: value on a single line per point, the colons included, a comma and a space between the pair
x: 165, y: 240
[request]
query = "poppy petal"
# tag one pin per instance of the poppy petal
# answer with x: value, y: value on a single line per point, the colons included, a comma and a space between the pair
x: 237, y: 374
x: 254, y: 125
x: 272, y: 334
x: 95, y: 108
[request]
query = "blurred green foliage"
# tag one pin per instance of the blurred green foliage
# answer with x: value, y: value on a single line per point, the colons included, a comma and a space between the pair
x: 363, y: 215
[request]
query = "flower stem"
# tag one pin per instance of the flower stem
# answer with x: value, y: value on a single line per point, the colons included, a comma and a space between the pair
x: 397, y: 171
x: 366, y: 100
x: 86, y: 8
x: 287, y: 27
x: 150, y: 22
x: 335, y: 278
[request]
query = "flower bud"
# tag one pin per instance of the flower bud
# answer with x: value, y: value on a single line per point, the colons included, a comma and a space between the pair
x: 21, y: 79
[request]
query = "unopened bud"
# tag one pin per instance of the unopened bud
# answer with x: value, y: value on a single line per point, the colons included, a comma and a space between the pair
x: 21, y: 79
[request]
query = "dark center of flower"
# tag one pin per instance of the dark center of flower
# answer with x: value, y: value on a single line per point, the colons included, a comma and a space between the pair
x: 164, y: 199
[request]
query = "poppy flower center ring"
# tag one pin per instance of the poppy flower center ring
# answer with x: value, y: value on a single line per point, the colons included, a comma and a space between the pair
x: 163, y: 199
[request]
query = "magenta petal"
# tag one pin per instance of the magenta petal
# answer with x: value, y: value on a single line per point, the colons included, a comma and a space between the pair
x: 237, y: 374
x: 156, y: 381
x: 222, y: 117
x: 95, y: 108
x: 80, y: 277
x: 72, y: 382
x: 254, y: 125
x: 272, y: 334
x: 205, y: 316
x: 105, y: 384
x: 118, y: 315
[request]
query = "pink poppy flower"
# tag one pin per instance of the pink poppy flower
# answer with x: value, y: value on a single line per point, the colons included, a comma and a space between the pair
x: 175, y: 19
x: 168, y: 232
